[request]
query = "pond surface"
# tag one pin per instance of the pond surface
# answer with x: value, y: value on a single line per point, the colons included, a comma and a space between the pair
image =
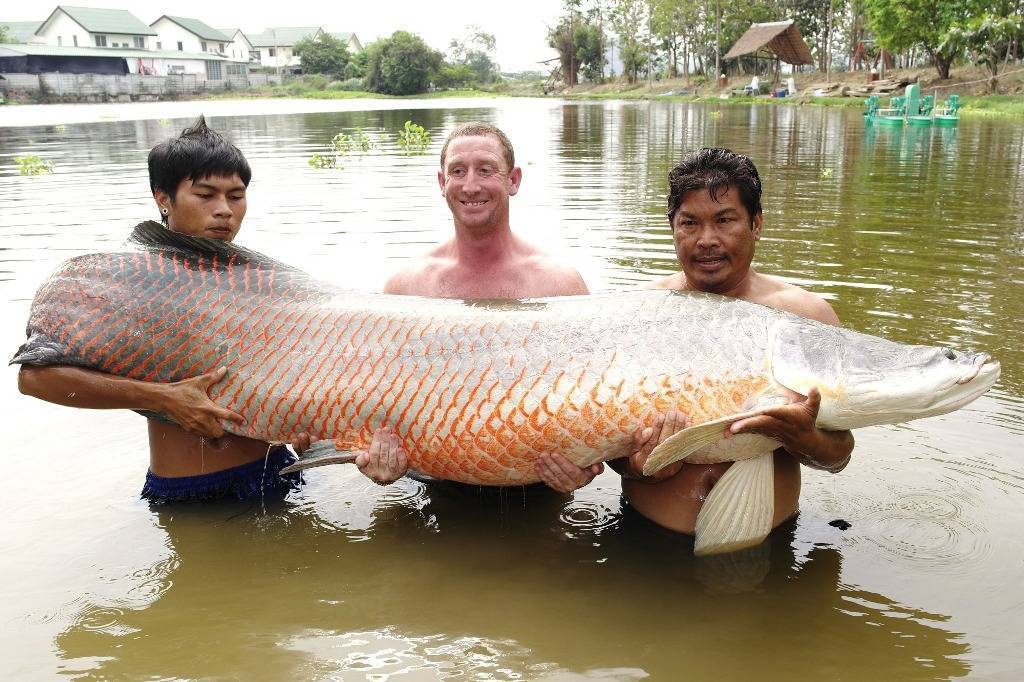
x: 916, y: 235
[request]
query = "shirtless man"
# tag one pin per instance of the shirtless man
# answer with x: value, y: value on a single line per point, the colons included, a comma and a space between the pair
x: 199, y: 183
x: 484, y: 259
x: 714, y: 209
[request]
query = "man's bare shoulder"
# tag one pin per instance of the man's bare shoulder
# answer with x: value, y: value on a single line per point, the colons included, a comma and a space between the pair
x: 418, y: 274
x: 674, y: 281
x: 552, y: 277
x: 777, y: 293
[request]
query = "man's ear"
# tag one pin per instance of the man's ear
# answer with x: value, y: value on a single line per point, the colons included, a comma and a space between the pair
x: 440, y: 181
x: 514, y: 178
x: 163, y: 201
x: 756, y: 225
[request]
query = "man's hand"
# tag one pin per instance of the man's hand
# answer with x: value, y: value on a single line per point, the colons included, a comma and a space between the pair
x: 385, y: 461
x: 188, y: 403
x: 301, y: 443
x: 644, y: 442
x: 793, y: 426
x: 562, y: 475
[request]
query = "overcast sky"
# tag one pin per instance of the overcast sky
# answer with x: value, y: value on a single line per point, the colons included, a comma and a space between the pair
x: 520, y: 26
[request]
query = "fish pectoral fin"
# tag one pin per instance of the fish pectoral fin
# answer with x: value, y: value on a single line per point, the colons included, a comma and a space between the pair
x: 738, y: 512
x: 681, y: 445
x: 320, y: 453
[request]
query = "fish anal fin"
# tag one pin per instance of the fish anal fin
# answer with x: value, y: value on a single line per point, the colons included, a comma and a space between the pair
x: 684, y: 443
x: 321, y: 453
x: 739, y: 510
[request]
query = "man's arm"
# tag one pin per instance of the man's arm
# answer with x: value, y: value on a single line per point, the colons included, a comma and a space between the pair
x: 187, y: 402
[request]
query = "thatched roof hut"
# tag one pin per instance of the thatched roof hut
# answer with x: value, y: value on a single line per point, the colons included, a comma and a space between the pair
x: 780, y: 38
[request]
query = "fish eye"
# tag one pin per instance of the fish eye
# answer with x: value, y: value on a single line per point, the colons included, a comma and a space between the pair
x: 948, y: 352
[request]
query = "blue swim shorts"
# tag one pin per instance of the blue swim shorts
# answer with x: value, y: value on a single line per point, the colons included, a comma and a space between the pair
x: 255, y: 479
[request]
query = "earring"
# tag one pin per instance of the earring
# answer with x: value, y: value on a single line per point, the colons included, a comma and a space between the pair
x: 164, y: 211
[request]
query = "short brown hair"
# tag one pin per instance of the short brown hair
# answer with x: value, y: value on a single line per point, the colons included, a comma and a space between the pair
x: 473, y: 128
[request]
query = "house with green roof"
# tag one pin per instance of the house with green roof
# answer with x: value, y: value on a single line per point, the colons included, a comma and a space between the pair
x: 275, y: 46
x: 69, y: 26
x: 351, y: 42
x: 240, y: 48
x: 20, y: 31
x: 189, y: 35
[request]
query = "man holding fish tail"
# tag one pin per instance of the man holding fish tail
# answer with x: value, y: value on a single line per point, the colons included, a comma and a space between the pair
x: 714, y: 211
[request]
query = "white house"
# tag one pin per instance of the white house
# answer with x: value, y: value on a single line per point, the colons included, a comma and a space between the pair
x: 94, y: 27
x: 239, y: 49
x: 351, y: 42
x: 188, y: 35
x: 274, y: 47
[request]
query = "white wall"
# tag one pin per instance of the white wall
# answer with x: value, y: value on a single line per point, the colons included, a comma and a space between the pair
x: 192, y: 66
x: 170, y: 33
x: 283, y: 56
x: 238, y: 50
x: 67, y: 29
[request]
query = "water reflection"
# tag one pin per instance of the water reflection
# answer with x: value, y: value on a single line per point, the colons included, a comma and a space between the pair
x: 489, y: 587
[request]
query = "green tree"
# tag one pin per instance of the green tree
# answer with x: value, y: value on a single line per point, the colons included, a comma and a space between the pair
x: 356, y: 67
x: 3, y: 33
x: 630, y: 22
x: 901, y: 24
x: 560, y: 38
x: 401, y: 65
x: 589, y: 44
x: 476, y: 52
x: 324, y: 54
x: 986, y: 39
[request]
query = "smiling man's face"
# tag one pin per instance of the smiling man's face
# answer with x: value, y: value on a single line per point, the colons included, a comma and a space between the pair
x: 477, y: 182
x: 210, y: 207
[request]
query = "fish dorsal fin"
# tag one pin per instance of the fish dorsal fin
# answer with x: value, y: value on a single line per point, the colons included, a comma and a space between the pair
x: 739, y: 509
x: 154, y: 236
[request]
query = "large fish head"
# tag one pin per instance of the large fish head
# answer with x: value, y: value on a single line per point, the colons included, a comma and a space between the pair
x: 866, y: 380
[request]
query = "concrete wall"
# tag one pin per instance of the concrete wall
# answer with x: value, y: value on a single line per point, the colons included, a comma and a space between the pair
x: 126, y: 88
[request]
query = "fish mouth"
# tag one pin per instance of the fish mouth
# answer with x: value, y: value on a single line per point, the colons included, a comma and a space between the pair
x: 980, y: 361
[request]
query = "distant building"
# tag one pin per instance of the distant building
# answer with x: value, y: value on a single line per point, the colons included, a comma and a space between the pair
x: 351, y: 42
x: 189, y: 35
x: 240, y: 48
x: 20, y: 31
x: 93, y: 27
x: 274, y: 48
x: 36, y: 58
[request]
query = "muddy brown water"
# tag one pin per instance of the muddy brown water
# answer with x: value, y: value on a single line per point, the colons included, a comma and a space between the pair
x: 916, y: 235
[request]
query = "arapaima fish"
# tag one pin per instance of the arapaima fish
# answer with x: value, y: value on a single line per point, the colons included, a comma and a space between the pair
x: 476, y: 390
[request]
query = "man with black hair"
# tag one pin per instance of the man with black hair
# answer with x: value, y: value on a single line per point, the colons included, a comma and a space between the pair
x: 714, y: 211
x: 199, y: 183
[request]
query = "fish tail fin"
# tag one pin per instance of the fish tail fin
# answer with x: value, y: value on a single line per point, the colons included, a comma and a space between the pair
x: 738, y: 512
x: 320, y: 453
x: 41, y: 350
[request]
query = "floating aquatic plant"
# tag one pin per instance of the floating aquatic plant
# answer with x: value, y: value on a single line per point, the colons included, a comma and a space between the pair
x: 33, y: 165
x: 342, y: 145
x: 413, y: 138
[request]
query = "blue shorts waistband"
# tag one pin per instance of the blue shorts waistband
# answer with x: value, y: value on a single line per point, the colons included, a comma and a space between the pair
x: 253, y: 479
